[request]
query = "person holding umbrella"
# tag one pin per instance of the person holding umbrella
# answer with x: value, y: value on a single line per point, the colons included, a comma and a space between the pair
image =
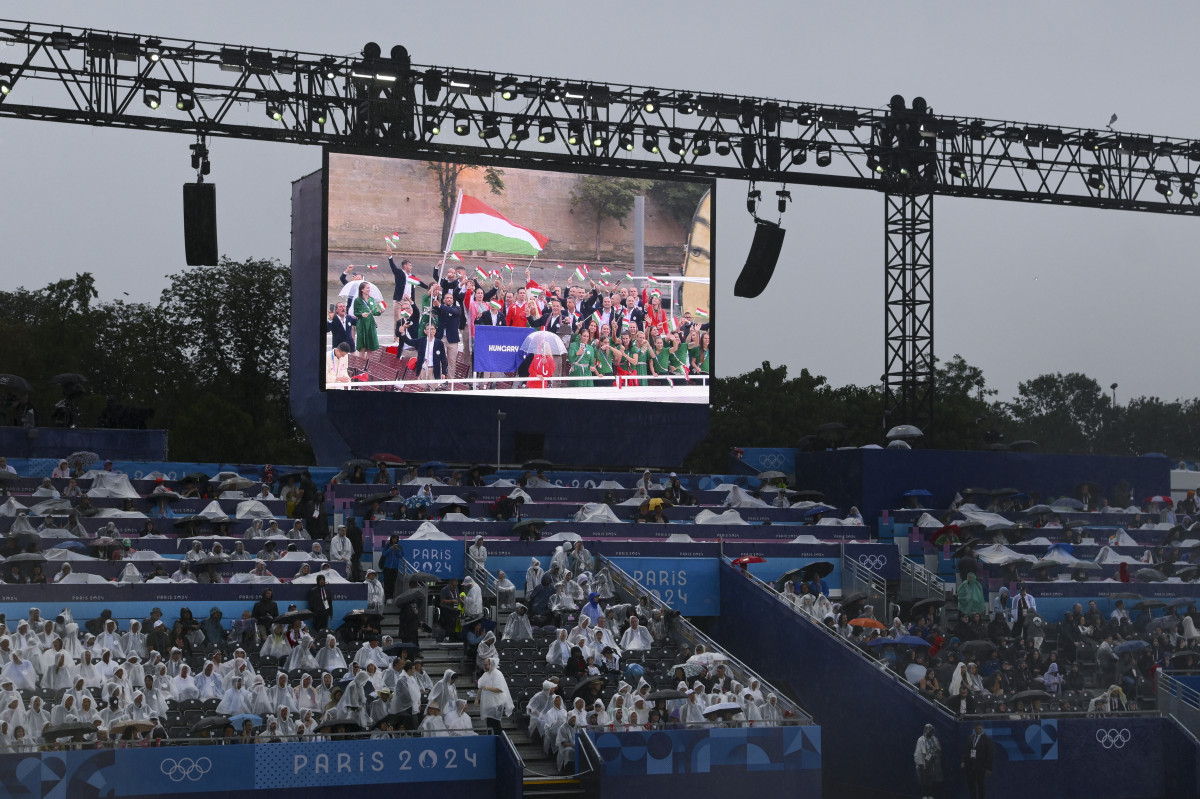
x: 366, y: 308
x: 928, y: 759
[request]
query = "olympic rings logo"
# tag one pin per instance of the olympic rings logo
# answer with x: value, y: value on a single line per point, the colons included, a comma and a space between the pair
x: 873, y: 562
x: 185, y: 768
x: 772, y: 460
x: 1113, y: 739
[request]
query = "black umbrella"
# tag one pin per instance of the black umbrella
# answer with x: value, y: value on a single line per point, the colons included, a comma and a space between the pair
x: 850, y: 599
x: 1024, y: 445
x: 396, y: 650
x: 393, y: 720
x: 358, y: 616
x: 822, y: 568
x: 537, y: 463
x: 665, y: 696
x: 424, y: 577
x: 967, y: 548
x: 1124, y: 595
x: 193, y: 519
x: 15, y: 383
x: 293, y: 615
x: 924, y: 604
x: 163, y: 496
x: 339, y: 725
x: 71, y: 729
x: 1150, y: 575
x: 8, y: 477
x: 1164, y: 623
x: 588, y: 689
x: 977, y: 645
x: 194, y: 477
x: 26, y: 557
x: 353, y: 463
x: 1145, y: 604
x: 82, y: 458
x: 808, y: 495
x: 483, y: 469
x: 1029, y: 696
x: 68, y: 377
x: 1005, y: 492
x: 528, y: 526
x: 832, y: 427
x: 388, y: 459
x: 211, y: 723
x: 411, y: 595
x: 382, y: 496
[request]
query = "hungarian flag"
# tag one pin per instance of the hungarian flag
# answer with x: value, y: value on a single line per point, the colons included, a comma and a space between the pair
x: 604, y: 271
x: 508, y: 269
x: 388, y: 242
x: 481, y: 273
x: 494, y: 306
x: 481, y: 227
x: 372, y: 266
x: 558, y: 266
x: 671, y: 325
x: 652, y: 279
x: 413, y: 280
x: 454, y: 255
x: 629, y: 275
x: 534, y: 292
x: 701, y: 313
x: 395, y: 238
x: 581, y: 272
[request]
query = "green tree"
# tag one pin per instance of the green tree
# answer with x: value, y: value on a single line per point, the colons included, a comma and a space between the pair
x: 1063, y: 413
x: 607, y: 198
x: 678, y: 198
x: 447, y: 175
x: 965, y: 415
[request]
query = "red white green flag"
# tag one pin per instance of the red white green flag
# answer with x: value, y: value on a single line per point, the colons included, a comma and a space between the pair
x: 481, y: 273
x: 478, y: 226
x: 701, y: 312
x: 495, y: 306
x: 581, y: 272
x: 454, y: 256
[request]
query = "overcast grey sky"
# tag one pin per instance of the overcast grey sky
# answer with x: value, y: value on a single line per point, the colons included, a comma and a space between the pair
x: 1020, y: 290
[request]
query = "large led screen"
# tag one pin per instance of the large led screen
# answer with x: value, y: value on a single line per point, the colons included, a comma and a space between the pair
x: 453, y: 277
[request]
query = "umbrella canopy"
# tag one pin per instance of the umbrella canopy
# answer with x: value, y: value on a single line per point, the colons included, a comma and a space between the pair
x: 950, y: 533
x: 211, y: 723
x: 530, y: 525
x: 748, y: 559
x: 1181, y: 602
x: 236, y: 484
x: 482, y: 469
x: 26, y: 557
x: 424, y: 577
x: 927, y: 604
x: 293, y: 615
x: 388, y: 459
x: 543, y: 342
x: 354, y: 463
x: 722, y: 710
x: 118, y: 727
x: 979, y: 645
x: 864, y: 621
x: 382, y: 496
x: 395, y: 650
x: 1145, y: 604
x: 192, y: 519
x: 690, y: 670
x: 1164, y: 623
x: 852, y: 598
x: 665, y: 696
x: 1023, y: 445
x: 1130, y: 646
x: 1161, y: 500
x: 904, y: 431
x: 821, y: 568
x: 68, y: 377
x: 393, y: 720
x: 588, y: 688
x: 339, y: 725
x: 904, y: 640
x: 71, y: 729
x: 917, y: 492
x: 898, y: 443
x: 163, y: 496
x: 417, y: 501
x: 76, y: 545
x: 411, y: 595
x: 537, y: 463
x: 242, y: 718
x: 707, y: 658
x: 1150, y: 575
x: 771, y: 475
x: 1067, y: 503
x: 14, y: 383
x: 351, y: 290
x: 1039, y: 509
x: 82, y: 458
x: 433, y: 465
x: 358, y: 616
x: 1029, y: 696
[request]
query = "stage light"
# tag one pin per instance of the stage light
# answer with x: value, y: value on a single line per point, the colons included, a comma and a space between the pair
x: 770, y: 116
x: 433, y: 125
x: 799, y: 150
x: 61, y: 40
x: 977, y: 130
x: 700, y: 146
x: 152, y: 99
x: 824, y: 155
x: 462, y: 124
x: 553, y: 91
x: 625, y: 138
x: 153, y: 50
x: 520, y: 130
x: 957, y: 169
x: 273, y: 110
x: 433, y: 84
x: 318, y: 114
x: 233, y: 59
x: 675, y: 145
x: 749, y: 150
x: 1163, y: 187
x: 773, y: 153
x: 490, y: 128
x: 783, y: 197
x: 1188, y: 189
x: 1095, y: 179
x: 546, y: 131
x: 684, y: 103
x: 650, y: 141
x: 5, y: 84
x: 199, y: 156
x: 722, y: 146
x: 752, y: 198
x: 184, y: 101
x: 574, y: 133
x: 508, y: 87
x: 599, y: 134
x: 746, y: 112
x: 650, y: 101
x: 329, y: 69
x: 874, y: 165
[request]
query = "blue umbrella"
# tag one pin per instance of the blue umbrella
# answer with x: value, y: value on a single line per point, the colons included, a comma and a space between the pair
x: 904, y: 640
x: 1130, y: 646
x: 70, y: 545
x: 240, y: 718
x: 918, y: 492
x: 817, y: 509
x: 417, y: 500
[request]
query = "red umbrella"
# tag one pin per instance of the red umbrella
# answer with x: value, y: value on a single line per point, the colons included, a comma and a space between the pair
x: 388, y: 458
x: 950, y: 532
x: 745, y: 559
x: 866, y: 622
x: 1159, y: 498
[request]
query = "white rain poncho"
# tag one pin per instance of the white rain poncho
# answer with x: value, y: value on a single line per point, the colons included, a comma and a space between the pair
x: 495, y: 700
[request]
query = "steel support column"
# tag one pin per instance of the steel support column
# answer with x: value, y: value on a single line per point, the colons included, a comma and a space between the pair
x: 908, y: 377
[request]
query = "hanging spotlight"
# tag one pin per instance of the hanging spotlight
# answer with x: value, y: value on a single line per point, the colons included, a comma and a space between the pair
x: 1095, y: 179
x: 508, y: 87
x: 328, y: 68
x: 319, y: 114
x: 153, y: 50
x: 520, y: 130
x: 650, y: 101
x: 874, y: 165
x: 599, y: 134
x: 574, y: 133
x: 675, y: 145
x: 783, y: 196
x: 462, y: 124
x: 1188, y: 189
x: 722, y: 146
x: 546, y: 131
x: 490, y: 128
x: 700, y: 146
x: 650, y: 141
x: 273, y: 109
x: 5, y: 84
x: 184, y: 101
x: 752, y: 198
x: 1163, y: 187
x: 773, y: 153
x: 152, y: 98
x: 746, y: 113
x: 432, y: 126
x: 824, y: 155
x: 684, y: 103
x: 957, y: 168
x: 625, y: 138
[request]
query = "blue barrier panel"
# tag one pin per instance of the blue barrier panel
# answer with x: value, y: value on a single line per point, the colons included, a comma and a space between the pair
x: 780, y: 761
x: 422, y: 767
x: 440, y: 558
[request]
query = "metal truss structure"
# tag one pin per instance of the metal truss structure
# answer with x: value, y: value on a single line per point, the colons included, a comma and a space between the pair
x: 386, y: 104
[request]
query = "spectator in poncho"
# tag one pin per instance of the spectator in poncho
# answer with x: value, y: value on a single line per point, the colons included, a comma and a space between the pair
x: 495, y: 701
x: 971, y: 599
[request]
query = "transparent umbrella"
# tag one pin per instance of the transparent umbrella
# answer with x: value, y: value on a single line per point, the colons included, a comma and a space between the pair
x: 543, y: 342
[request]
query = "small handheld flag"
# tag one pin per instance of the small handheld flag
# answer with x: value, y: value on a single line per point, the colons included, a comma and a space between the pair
x: 454, y: 257
x: 412, y: 280
x: 372, y: 266
x: 388, y: 242
x: 629, y: 275
x: 652, y: 279
x: 558, y: 266
x: 508, y: 268
x: 581, y: 272
x: 701, y: 312
x: 604, y: 271
x: 481, y: 273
